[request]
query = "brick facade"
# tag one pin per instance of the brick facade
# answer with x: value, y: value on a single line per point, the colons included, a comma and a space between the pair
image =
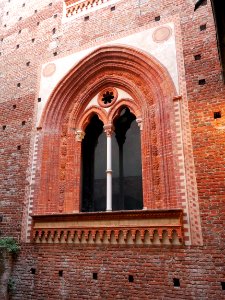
x: 35, y: 35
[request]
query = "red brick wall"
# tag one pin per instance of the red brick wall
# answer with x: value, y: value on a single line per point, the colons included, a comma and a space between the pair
x: 199, y: 269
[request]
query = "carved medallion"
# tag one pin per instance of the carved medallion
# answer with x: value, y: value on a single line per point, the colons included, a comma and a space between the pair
x: 49, y: 70
x: 161, y: 34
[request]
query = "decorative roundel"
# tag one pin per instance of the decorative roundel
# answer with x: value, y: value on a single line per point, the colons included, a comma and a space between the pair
x: 107, y: 97
x: 161, y: 34
x: 49, y: 70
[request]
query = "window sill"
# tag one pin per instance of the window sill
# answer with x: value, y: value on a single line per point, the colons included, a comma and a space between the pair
x: 148, y: 227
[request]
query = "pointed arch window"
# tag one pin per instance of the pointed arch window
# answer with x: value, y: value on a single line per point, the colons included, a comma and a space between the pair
x: 111, y: 164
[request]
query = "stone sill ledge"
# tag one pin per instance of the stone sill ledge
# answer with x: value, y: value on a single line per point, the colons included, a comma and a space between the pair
x: 117, y: 227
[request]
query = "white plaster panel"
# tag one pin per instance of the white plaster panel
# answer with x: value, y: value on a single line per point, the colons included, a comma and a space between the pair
x: 164, y: 52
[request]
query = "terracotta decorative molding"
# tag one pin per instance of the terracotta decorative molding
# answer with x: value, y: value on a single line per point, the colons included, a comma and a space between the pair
x: 74, y: 7
x: 157, y: 227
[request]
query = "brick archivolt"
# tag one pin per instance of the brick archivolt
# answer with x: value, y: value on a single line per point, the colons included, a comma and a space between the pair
x: 151, y: 90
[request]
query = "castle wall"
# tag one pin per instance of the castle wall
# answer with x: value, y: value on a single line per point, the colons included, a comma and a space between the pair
x: 200, y: 269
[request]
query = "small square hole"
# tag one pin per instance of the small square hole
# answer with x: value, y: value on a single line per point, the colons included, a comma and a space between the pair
x: 157, y: 18
x: 20, y: 18
x: 18, y: 84
x: 95, y: 276
x: 55, y: 53
x: 86, y: 18
x: 7, y: 13
x: 39, y: 99
x: 1, y: 218
x: 38, y: 23
x: 4, y: 127
x: 18, y: 147
x: 53, y: 31
x: 14, y: 106
x: 223, y: 285
x: 50, y: 4
x: 28, y: 63
x: 176, y: 282
x: 61, y: 273
x: 23, y: 123
x: 131, y: 278
x: 5, y: 25
x: 23, y: 4
x: 112, y: 8
x: 17, y: 46
x: 201, y: 82
x: 19, y: 31
x: 202, y: 27
x: 32, y: 270
x: 32, y: 40
x: 198, y: 57
x: 35, y: 11
x: 217, y: 114
x: 55, y: 16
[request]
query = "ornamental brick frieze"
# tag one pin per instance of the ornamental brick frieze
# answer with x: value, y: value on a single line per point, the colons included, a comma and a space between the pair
x: 133, y: 227
x: 76, y: 7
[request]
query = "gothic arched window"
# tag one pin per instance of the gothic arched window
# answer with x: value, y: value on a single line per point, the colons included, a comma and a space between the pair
x: 125, y: 156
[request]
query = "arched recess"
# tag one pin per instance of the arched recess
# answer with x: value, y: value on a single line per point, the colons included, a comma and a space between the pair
x: 152, y: 90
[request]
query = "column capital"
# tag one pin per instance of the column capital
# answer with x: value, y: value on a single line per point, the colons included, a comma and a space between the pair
x: 140, y: 123
x: 79, y: 135
x: 108, y: 128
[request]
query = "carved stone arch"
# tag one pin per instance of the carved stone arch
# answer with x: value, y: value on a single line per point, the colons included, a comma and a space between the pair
x: 85, y: 117
x: 124, y: 103
x: 152, y: 90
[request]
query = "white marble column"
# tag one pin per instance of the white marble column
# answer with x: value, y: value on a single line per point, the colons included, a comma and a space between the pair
x: 109, y: 130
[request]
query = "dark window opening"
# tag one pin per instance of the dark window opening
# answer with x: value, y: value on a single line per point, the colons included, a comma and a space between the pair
x: 113, y: 8
x: 198, y: 57
x: 223, y: 285
x: 126, y: 163
x: 94, y: 166
x: 201, y: 82
x: 60, y: 273
x: 219, y: 16
x: 33, y: 270
x: 131, y: 278
x: 176, y: 282
x: 217, y: 114
x: 86, y: 18
x: 203, y: 27
x: 95, y: 276
x: 14, y: 106
x: 157, y: 18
